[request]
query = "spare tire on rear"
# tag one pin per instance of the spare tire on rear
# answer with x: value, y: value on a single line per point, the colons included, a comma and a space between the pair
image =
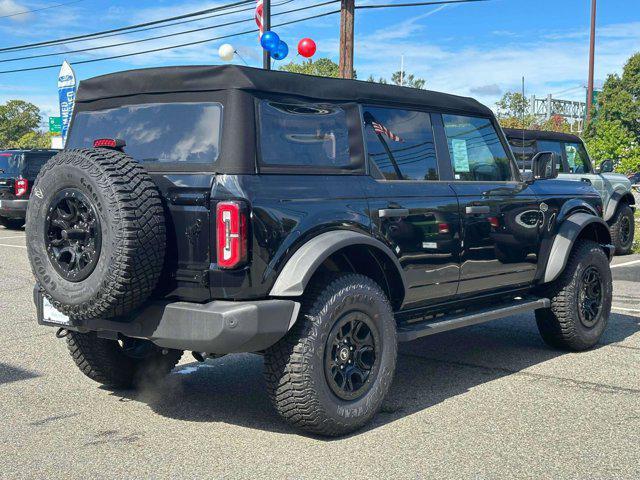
x: 95, y: 233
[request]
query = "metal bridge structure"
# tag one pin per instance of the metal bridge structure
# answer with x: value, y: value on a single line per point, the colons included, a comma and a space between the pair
x: 573, y: 111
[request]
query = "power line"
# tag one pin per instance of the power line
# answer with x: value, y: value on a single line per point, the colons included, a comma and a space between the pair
x: 24, y: 12
x: 169, y: 35
x: 99, y: 36
x: 416, y: 4
x: 182, y: 45
x: 130, y: 27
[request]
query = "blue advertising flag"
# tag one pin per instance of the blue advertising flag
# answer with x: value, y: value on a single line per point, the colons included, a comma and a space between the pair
x: 67, y: 95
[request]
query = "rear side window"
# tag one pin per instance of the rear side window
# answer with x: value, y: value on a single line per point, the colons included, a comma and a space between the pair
x: 555, y: 147
x: 400, y: 143
x: 304, y: 135
x: 524, y: 151
x: 157, y: 132
x: 11, y: 163
x: 476, y: 151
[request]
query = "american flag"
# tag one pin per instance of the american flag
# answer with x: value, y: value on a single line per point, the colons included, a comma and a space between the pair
x: 259, y: 17
x: 382, y: 130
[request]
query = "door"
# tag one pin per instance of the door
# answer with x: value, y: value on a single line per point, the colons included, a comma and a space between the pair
x: 500, y: 214
x: 414, y: 212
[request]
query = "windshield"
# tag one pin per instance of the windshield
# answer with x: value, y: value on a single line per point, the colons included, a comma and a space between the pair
x: 11, y: 163
x: 156, y: 132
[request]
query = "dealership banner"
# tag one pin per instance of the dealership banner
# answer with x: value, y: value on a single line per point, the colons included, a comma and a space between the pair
x: 67, y: 95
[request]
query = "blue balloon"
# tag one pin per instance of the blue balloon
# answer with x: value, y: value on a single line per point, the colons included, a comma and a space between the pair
x: 270, y: 40
x: 281, y: 52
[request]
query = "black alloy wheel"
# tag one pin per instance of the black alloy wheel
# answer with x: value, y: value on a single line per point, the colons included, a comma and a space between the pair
x: 351, y: 355
x: 590, y: 297
x: 625, y: 230
x: 73, y: 235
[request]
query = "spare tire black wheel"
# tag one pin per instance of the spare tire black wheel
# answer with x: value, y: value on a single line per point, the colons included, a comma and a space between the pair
x: 95, y: 233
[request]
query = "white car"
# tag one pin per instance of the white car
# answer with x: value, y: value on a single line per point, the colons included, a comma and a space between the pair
x: 615, y: 189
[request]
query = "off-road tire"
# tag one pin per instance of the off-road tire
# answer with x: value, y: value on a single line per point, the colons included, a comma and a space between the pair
x: 624, y: 213
x: 11, y: 223
x: 560, y: 325
x: 132, y: 226
x: 294, y: 367
x: 105, y: 362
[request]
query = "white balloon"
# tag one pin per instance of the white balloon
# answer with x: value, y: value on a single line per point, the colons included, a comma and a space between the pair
x: 226, y: 52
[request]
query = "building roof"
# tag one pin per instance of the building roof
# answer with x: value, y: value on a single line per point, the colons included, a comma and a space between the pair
x: 233, y: 77
x: 517, y: 134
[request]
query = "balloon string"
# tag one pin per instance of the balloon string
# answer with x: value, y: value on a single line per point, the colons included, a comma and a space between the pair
x: 240, y: 56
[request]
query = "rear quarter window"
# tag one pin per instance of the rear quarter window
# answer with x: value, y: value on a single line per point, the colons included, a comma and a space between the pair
x: 179, y: 133
x: 304, y: 137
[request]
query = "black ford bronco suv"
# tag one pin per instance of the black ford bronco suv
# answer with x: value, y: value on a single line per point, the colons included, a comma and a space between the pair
x: 315, y: 221
x: 18, y: 171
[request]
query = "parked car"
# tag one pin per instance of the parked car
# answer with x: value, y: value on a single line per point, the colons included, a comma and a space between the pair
x: 18, y: 170
x: 315, y: 221
x: 575, y: 164
x: 634, y: 179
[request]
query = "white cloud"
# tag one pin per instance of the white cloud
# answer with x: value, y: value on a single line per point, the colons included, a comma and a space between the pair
x: 9, y: 8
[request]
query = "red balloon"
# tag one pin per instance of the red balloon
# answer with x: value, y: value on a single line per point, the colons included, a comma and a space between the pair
x: 307, y: 47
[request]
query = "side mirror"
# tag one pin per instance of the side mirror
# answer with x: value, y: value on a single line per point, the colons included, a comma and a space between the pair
x: 544, y: 166
x: 606, y: 166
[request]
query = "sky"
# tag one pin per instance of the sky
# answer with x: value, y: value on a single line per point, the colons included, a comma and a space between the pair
x: 474, y: 49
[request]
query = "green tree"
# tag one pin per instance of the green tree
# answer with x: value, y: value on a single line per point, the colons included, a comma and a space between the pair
x: 322, y: 67
x: 17, y: 119
x: 614, y: 131
x: 397, y: 78
x: 512, y: 111
x: 33, y: 139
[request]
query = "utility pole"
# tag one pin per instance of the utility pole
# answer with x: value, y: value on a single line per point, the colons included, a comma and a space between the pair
x: 266, y: 21
x: 592, y: 48
x: 346, y: 38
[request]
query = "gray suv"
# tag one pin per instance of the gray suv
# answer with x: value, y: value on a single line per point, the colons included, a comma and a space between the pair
x: 575, y: 164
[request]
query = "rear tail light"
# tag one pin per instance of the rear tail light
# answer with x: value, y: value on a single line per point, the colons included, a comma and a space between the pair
x: 231, y: 234
x: 443, y: 228
x: 495, y: 223
x: 20, y: 186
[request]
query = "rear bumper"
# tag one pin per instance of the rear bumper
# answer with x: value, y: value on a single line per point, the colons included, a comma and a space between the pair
x: 215, y: 327
x: 13, y: 208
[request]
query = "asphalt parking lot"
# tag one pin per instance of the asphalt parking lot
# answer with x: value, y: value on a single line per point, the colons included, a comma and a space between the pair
x: 490, y: 402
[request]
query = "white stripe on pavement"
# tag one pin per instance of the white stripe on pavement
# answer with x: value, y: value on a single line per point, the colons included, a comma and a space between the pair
x: 14, y: 246
x: 9, y: 238
x: 635, y: 310
x: 633, y: 262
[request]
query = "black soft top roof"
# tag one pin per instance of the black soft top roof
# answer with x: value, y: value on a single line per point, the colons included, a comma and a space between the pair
x: 233, y: 77
x: 516, y: 134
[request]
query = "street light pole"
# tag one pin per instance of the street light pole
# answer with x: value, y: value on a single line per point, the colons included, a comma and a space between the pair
x: 266, y: 21
x: 346, y: 38
x: 592, y: 48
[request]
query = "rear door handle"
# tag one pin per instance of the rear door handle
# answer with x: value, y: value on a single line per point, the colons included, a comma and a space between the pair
x: 477, y: 209
x: 393, y: 212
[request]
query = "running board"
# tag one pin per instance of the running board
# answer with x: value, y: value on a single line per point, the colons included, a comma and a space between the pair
x: 408, y: 333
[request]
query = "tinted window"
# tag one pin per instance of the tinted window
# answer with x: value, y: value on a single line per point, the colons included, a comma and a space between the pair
x: 157, y: 132
x: 476, y: 151
x: 555, y: 147
x: 11, y: 163
x: 577, y: 158
x: 523, y: 151
x: 309, y: 135
x: 400, y: 143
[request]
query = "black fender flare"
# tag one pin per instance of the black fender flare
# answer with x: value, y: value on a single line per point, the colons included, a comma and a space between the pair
x: 299, y: 269
x: 566, y: 237
x: 616, y: 197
